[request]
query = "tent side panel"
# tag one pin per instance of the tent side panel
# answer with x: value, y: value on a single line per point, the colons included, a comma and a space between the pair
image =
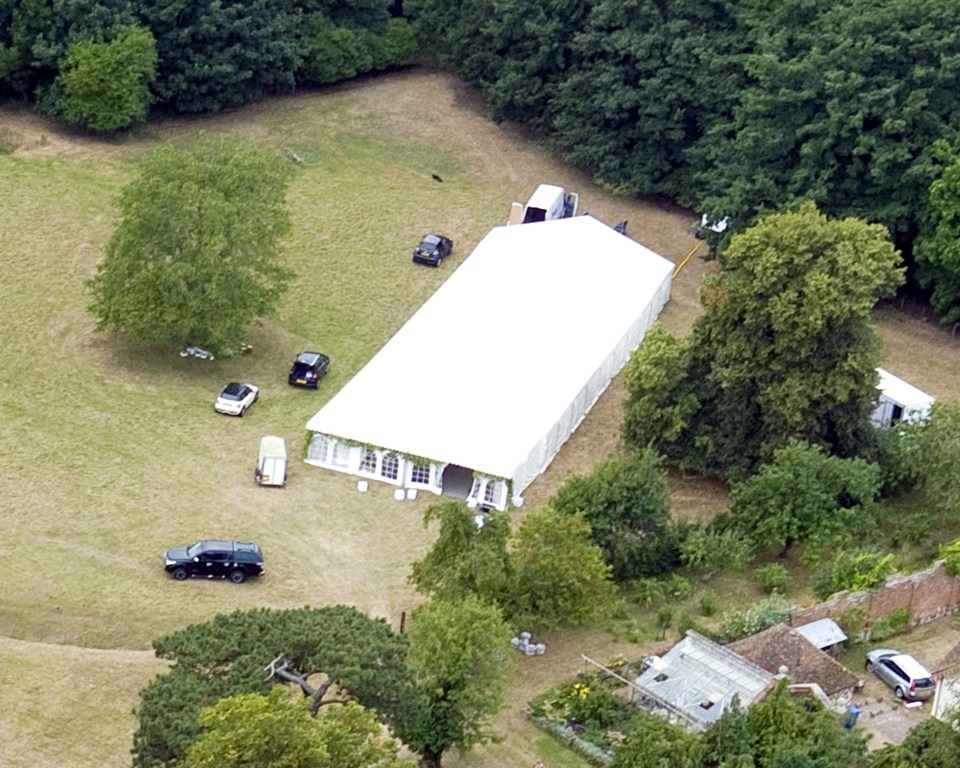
x: 544, y: 451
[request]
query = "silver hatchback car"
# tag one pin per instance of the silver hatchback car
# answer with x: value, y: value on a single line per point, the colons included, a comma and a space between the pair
x: 907, y: 676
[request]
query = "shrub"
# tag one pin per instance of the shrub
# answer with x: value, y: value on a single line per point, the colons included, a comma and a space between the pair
x: 709, y: 550
x: 678, y: 587
x: 894, y: 623
x: 648, y: 591
x: 756, y: 618
x: 627, y: 505
x: 586, y: 702
x: 664, y: 618
x: 635, y: 634
x: 709, y: 604
x: 950, y: 554
x: 774, y: 577
x: 853, y: 622
x: 852, y: 571
x: 597, y: 708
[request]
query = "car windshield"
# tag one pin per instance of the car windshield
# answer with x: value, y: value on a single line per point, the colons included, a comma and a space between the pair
x: 430, y: 241
x: 308, y: 358
x: 233, y: 392
x: 195, y: 549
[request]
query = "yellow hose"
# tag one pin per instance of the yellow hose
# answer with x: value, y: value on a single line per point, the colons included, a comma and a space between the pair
x: 686, y: 258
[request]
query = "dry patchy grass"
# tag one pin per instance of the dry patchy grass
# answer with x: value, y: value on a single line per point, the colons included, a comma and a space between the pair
x: 113, y: 452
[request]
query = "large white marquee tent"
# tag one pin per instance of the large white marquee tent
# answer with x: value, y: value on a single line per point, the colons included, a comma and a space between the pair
x: 476, y: 393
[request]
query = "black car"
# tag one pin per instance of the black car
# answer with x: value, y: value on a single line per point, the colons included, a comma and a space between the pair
x: 234, y: 560
x: 432, y: 250
x: 308, y: 369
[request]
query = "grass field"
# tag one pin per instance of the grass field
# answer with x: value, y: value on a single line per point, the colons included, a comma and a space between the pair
x: 113, y: 452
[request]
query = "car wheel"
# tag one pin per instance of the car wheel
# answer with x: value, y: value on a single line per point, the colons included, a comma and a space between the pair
x: 868, y: 666
x: 256, y: 397
x: 242, y: 411
x: 238, y: 577
x: 180, y: 574
x: 900, y: 693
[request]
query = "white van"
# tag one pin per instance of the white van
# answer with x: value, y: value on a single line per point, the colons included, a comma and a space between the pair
x: 272, y: 464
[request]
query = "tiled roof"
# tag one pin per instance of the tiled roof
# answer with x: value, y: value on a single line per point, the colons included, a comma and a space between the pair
x: 780, y: 646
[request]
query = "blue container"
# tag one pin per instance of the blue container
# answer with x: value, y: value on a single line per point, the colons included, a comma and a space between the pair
x: 850, y: 720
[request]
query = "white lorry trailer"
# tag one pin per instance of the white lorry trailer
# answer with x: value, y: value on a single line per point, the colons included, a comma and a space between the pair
x: 547, y: 202
x: 272, y: 463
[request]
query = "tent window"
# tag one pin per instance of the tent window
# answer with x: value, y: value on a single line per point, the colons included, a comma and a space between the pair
x: 897, y: 414
x: 493, y: 492
x: 369, y: 463
x: 341, y: 455
x: 391, y: 466
x: 319, y: 448
x: 420, y: 474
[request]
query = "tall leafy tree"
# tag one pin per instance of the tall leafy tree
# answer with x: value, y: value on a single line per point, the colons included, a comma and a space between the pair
x: 220, y: 53
x: 36, y: 34
x: 784, y: 349
x: 548, y: 573
x: 937, y: 249
x: 458, y: 656
x: 106, y: 86
x: 626, y: 503
x: 328, y: 53
x: 654, y: 742
x: 931, y: 744
x: 469, y: 556
x: 932, y: 451
x: 790, y: 732
x: 646, y: 79
x: 805, y: 494
x: 360, y: 658
x: 460, y: 34
x: 195, y: 257
x: 276, y: 731
x: 834, y: 112
x: 533, y: 43
x: 560, y: 576
x: 728, y: 742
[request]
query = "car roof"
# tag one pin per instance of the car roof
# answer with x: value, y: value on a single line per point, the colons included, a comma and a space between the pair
x: 211, y: 544
x: 431, y: 238
x: 234, y: 387
x: 911, y: 667
x: 310, y: 358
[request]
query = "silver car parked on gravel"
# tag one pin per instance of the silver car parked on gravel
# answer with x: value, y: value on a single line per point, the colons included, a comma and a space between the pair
x: 907, y: 676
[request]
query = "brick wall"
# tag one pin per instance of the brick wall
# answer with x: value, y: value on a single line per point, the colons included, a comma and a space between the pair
x: 927, y: 595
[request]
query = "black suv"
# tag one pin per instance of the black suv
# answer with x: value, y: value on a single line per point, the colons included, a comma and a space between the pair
x: 234, y: 560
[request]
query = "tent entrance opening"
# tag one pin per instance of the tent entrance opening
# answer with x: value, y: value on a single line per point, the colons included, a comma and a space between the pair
x: 457, y: 481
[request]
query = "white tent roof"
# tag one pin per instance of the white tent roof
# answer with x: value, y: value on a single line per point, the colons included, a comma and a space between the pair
x: 487, y: 371
x: 902, y: 392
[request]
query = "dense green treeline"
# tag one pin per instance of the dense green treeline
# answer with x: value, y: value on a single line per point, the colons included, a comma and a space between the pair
x: 736, y: 107
x: 102, y: 64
